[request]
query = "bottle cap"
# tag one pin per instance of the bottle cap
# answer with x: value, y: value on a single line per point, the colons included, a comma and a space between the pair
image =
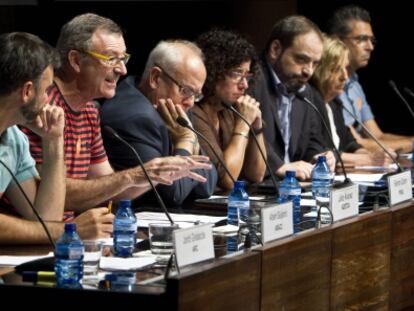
x: 290, y: 173
x: 239, y: 184
x: 125, y: 203
x: 321, y: 158
x: 70, y: 227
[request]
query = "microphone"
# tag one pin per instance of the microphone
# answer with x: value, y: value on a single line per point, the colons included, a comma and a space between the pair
x: 400, y: 169
x: 409, y: 92
x: 272, y: 176
x: 394, y: 87
x: 114, y: 134
x: 184, y: 123
x: 306, y: 100
x: 39, y: 218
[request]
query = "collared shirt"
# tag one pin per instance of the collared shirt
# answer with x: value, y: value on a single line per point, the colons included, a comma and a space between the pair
x: 353, y: 98
x: 334, y: 133
x: 284, y: 110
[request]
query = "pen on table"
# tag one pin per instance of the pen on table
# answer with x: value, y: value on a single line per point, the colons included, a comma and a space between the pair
x: 110, y: 207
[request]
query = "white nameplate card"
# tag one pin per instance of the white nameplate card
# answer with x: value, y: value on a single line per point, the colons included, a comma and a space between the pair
x: 277, y: 221
x: 400, y: 187
x: 344, y: 202
x: 193, y: 244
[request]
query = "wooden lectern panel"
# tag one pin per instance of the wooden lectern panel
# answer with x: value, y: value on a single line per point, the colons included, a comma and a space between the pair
x: 226, y: 284
x: 361, y: 263
x: 402, y: 258
x: 296, y: 272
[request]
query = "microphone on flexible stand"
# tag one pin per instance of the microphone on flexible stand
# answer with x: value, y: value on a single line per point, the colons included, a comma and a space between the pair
x: 184, y: 123
x: 408, y: 92
x: 42, y: 264
x: 394, y: 87
x: 400, y: 169
x: 114, y: 134
x: 306, y: 100
x: 272, y: 176
x: 39, y: 218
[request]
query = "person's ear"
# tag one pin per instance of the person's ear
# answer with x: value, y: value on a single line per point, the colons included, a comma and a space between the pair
x: 154, y: 77
x: 74, y: 60
x: 27, y: 92
x: 275, y: 50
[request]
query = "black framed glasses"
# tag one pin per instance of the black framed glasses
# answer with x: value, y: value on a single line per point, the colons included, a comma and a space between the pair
x: 184, y: 90
x: 363, y: 39
x: 237, y: 76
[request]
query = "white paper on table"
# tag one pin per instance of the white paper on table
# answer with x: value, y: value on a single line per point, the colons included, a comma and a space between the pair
x: 183, y: 220
x: 360, y: 177
x: 124, y: 264
x: 256, y: 198
x: 392, y: 166
x: 18, y: 260
x: 110, y: 241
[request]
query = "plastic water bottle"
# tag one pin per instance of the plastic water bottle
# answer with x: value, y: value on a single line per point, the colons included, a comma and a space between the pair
x: 289, y: 189
x: 321, y: 187
x: 238, y: 203
x: 125, y: 229
x: 69, y: 258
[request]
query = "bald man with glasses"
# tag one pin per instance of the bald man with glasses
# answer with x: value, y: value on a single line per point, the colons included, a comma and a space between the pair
x: 93, y: 55
x: 145, y: 110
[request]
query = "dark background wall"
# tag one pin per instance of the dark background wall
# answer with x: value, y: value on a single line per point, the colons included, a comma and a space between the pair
x: 147, y: 22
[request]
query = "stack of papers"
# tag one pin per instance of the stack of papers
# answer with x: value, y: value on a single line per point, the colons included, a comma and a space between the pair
x: 183, y: 220
x: 18, y: 260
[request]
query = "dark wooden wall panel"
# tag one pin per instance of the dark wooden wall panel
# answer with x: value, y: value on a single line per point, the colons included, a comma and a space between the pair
x: 296, y: 273
x: 361, y: 263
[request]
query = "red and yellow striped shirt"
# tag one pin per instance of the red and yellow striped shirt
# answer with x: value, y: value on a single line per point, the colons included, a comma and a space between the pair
x: 83, y: 140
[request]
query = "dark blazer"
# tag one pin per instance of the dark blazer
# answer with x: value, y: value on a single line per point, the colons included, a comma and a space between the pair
x: 305, y: 141
x: 132, y: 115
x: 347, y: 142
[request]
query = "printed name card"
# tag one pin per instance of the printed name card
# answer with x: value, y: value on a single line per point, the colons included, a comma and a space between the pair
x: 399, y: 187
x: 193, y: 244
x: 277, y: 221
x: 344, y: 202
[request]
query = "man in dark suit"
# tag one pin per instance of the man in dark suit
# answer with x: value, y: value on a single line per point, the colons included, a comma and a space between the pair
x: 144, y: 112
x: 292, y: 129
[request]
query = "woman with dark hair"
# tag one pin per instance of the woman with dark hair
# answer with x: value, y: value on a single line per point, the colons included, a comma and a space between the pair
x: 231, y: 64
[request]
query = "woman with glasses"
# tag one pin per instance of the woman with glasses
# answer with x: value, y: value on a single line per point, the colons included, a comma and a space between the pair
x: 231, y: 63
x: 329, y: 80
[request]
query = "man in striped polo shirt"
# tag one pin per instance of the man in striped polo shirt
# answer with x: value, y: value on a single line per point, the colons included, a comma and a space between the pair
x: 93, y: 55
x: 26, y: 72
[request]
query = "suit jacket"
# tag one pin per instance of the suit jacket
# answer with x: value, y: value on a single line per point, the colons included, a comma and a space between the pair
x: 305, y: 140
x: 347, y: 142
x: 132, y: 115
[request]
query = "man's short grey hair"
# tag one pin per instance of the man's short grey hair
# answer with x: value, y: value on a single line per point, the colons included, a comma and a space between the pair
x: 168, y: 54
x: 77, y: 33
x: 339, y: 24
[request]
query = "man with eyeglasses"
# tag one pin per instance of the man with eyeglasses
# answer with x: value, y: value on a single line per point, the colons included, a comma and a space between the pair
x: 293, y: 130
x: 93, y: 55
x: 145, y: 110
x: 352, y: 24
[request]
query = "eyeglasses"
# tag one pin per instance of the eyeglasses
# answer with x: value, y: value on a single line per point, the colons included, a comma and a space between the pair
x: 185, y: 91
x: 238, y: 76
x: 363, y: 39
x: 111, y: 61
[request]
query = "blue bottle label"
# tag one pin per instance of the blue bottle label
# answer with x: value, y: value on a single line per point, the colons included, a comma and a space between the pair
x: 76, y: 252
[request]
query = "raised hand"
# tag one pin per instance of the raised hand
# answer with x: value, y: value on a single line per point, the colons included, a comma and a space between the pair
x: 49, y: 123
x: 249, y: 108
